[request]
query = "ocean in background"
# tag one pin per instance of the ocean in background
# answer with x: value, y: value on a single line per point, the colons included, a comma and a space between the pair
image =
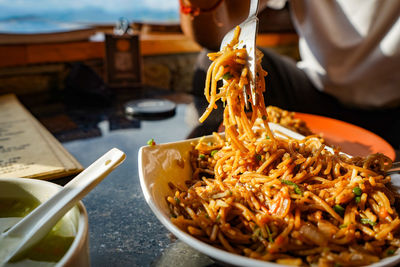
x: 43, y: 16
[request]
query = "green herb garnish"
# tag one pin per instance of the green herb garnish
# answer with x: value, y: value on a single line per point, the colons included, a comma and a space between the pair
x: 358, y: 199
x: 357, y: 191
x: 227, y: 76
x: 367, y: 221
x: 151, y: 142
x: 297, y: 189
x: 339, y: 210
x: 390, y: 252
x: 270, y: 239
x: 343, y: 225
x: 201, y: 156
x: 213, y: 153
x: 177, y: 200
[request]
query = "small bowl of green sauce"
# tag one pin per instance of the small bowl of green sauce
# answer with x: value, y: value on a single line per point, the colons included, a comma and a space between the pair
x: 65, y: 245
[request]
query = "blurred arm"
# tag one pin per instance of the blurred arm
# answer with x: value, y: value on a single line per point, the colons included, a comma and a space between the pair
x: 212, y: 19
x: 209, y: 26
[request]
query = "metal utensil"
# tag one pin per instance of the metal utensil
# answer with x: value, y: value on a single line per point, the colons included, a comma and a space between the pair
x: 39, y: 222
x: 395, y: 168
x: 247, y: 39
x: 283, y: 132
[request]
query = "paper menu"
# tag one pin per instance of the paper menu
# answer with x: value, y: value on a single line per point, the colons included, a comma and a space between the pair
x: 27, y: 148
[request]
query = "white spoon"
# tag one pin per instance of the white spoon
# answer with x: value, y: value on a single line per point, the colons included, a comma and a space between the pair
x: 41, y: 220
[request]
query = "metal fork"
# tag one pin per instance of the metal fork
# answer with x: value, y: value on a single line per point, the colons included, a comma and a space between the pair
x: 247, y: 39
x: 278, y: 129
x: 395, y: 168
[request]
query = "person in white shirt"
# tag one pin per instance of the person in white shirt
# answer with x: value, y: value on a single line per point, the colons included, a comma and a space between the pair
x: 349, y: 66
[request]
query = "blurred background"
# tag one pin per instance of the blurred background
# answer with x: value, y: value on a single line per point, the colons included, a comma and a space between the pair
x: 23, y: 12
x: 40, y: 41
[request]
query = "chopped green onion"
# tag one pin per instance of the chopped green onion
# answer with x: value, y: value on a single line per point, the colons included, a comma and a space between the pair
x: 218, y: 217
x: 343, y: 225
x: 339, y: 210
x: 227, y: 76
x: 201, y: 156
x: 390, y: 252
x: 287, y: 182
x: 357, y: 191
x: 270, y: 239
x: 151, y: 142
x: 213, y: 153
x: 367, y: 221
x: 177, y: 200
x: 358, y: 199
x: 267, y: 137
x: 297, y: 189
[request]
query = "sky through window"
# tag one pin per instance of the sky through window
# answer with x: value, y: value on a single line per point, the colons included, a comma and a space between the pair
x: 39, y: 15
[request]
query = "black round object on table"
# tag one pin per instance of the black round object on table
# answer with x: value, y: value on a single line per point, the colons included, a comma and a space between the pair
x: 150, y: 108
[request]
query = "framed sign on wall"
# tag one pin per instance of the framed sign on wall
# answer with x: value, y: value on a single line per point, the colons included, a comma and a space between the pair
x: 123, y: 64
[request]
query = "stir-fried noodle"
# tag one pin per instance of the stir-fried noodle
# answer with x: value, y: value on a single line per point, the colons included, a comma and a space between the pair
x: 276, y: 199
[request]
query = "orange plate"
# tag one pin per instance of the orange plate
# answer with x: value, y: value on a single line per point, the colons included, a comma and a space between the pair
x: 352, y: 139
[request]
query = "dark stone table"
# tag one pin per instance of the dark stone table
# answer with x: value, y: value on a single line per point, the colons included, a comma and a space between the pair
x: 123, y: 230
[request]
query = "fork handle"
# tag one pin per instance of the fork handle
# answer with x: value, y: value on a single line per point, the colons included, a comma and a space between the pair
x: 395, y: 168
x: 253, y: 8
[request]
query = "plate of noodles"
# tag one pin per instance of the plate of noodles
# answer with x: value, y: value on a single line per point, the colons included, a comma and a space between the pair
x: 166, y: 169
x: 259, y: 196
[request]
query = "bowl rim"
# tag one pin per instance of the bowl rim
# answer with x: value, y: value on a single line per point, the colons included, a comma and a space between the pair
x: 201, y: 246
x: 209, y: 250
x: 81, y: 236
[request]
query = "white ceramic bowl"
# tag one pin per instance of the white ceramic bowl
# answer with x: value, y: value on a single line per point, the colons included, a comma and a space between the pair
x: 78, y: 253
x: 159, y: 165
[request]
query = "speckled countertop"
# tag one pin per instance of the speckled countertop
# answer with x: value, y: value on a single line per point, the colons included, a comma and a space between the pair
x: 123, y: 230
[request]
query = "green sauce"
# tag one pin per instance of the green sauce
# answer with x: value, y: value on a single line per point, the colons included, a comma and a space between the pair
x: 11, y: 207
x: 51, y: 248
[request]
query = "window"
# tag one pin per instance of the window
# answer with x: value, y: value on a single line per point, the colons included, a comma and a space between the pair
x: 31, y: 16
